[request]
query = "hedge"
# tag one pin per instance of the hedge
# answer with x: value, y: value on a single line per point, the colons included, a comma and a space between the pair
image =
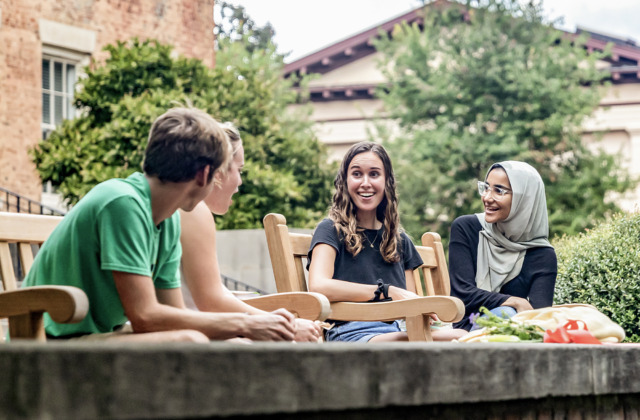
x: 601, y: 266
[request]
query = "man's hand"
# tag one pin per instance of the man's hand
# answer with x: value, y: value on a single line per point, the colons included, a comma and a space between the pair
x: 396, y: 293
x: 279, y: 325
x: 307, y: 331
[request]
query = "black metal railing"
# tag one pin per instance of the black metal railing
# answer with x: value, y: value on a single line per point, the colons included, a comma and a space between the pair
x: 233, y: 284
x: 16, y: 203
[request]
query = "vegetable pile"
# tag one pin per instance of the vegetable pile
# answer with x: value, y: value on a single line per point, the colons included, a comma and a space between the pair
x: 498, y: 329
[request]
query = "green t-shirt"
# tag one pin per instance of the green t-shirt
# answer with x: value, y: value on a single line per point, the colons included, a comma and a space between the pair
x: 110, y: 229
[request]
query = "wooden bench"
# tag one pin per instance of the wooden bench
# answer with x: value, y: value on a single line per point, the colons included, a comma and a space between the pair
x: 25, y: 307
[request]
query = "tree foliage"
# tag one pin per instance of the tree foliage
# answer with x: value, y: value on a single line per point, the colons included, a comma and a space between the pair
x: 485, y: 82
x: 235, y: 25
x: 285, y: 169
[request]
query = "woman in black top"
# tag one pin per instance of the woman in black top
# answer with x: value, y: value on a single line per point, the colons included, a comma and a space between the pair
x: 362, y: 242
x: 502, y: 259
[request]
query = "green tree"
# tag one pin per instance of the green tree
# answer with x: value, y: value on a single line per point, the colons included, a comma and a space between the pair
x: 235, y: 25
x: 490, y: 81
x: 285, y: 164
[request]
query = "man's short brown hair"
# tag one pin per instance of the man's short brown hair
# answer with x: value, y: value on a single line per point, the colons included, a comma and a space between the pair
x: 182, y: 141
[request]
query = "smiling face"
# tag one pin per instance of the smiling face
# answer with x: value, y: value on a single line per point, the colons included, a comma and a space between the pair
x: 366, y: 183
x: 497, y: 210
x: 219, y: 200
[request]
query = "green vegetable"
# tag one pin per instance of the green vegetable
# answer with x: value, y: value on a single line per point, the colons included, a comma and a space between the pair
x: 507, y: 327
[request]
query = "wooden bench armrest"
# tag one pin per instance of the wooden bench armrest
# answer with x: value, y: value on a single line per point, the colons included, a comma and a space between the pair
x: 65, y: 304
x: 307, y: 305
x: 25, y: 308
x: 447, y: 308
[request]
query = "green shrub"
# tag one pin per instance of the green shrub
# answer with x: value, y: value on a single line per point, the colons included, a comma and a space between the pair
x: 602, y: 267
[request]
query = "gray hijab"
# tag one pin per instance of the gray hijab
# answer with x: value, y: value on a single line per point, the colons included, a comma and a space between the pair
x: 502, y: 245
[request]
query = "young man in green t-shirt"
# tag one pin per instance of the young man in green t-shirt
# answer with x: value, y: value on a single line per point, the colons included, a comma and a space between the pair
x: 121, y: 245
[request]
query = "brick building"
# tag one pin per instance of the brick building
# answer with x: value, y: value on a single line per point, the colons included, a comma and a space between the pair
x: 45, y: 44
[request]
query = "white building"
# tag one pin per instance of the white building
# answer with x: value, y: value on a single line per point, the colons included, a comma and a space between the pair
x: 343, y: 101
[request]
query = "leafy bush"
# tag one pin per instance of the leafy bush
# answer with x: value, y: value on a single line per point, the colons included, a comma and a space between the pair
x: 602, y: 267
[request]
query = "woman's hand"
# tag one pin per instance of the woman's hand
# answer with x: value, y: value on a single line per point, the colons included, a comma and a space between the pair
x: 519, y: 304
x: 396, y: 293
x: 307, y: 331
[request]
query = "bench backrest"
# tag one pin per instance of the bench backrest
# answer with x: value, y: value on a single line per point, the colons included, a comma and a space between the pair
x: 20, y: 238
x: 24, y: 233
x: 288, y: 253
x: 434, y: 267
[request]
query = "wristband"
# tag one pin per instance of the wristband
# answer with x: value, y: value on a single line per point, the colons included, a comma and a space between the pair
x: 382, y: 290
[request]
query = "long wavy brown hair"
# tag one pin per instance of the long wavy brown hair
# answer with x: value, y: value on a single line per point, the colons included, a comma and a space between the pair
x: 343, y: 211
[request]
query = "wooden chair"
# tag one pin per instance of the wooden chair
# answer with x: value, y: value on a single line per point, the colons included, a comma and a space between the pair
x: 434, y: 272
x: 25, y: 307
x: 287, y: 251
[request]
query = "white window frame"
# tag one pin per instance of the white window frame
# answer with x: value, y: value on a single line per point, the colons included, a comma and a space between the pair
x: 64, y: 57
x: 68, y: 111
x: 69, y: 45
x: 77, y: 60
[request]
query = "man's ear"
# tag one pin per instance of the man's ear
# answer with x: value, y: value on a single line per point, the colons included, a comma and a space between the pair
x: 202, y: 176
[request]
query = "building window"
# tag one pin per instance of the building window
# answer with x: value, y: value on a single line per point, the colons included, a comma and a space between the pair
x: 58, y: 81
x: 66, y: 49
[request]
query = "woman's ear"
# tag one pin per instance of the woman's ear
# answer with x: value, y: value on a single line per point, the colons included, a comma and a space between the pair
x: 218, y: 178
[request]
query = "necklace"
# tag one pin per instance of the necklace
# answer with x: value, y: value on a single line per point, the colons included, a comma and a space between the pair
x: 364, y: 234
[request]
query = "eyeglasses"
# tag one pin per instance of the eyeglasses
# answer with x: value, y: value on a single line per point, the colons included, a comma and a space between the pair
x: 497, y: 192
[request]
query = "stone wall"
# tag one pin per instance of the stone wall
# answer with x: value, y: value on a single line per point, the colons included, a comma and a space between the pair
x: 90, y: 24
x: 318, y: 381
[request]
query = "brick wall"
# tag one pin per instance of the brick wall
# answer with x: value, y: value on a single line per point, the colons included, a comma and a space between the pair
x: 185, y: 24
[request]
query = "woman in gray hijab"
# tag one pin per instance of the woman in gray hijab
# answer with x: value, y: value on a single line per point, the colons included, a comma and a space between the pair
x: 502, y: 259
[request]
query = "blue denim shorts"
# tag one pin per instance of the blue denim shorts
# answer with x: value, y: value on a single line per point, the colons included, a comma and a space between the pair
x: 360, y: 331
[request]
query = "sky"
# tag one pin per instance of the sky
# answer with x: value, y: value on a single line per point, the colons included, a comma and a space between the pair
x: 305, y: 26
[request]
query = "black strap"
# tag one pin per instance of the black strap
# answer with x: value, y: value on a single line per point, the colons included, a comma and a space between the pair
x: 382, y: 290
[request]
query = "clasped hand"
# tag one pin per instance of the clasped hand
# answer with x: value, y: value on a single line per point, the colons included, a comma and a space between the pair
x: 281, y: 325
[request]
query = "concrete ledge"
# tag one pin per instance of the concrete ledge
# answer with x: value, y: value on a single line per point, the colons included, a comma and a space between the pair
x: 89, y: 380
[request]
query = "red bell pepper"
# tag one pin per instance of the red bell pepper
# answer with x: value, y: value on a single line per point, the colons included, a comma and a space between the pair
x: 574, y: 331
